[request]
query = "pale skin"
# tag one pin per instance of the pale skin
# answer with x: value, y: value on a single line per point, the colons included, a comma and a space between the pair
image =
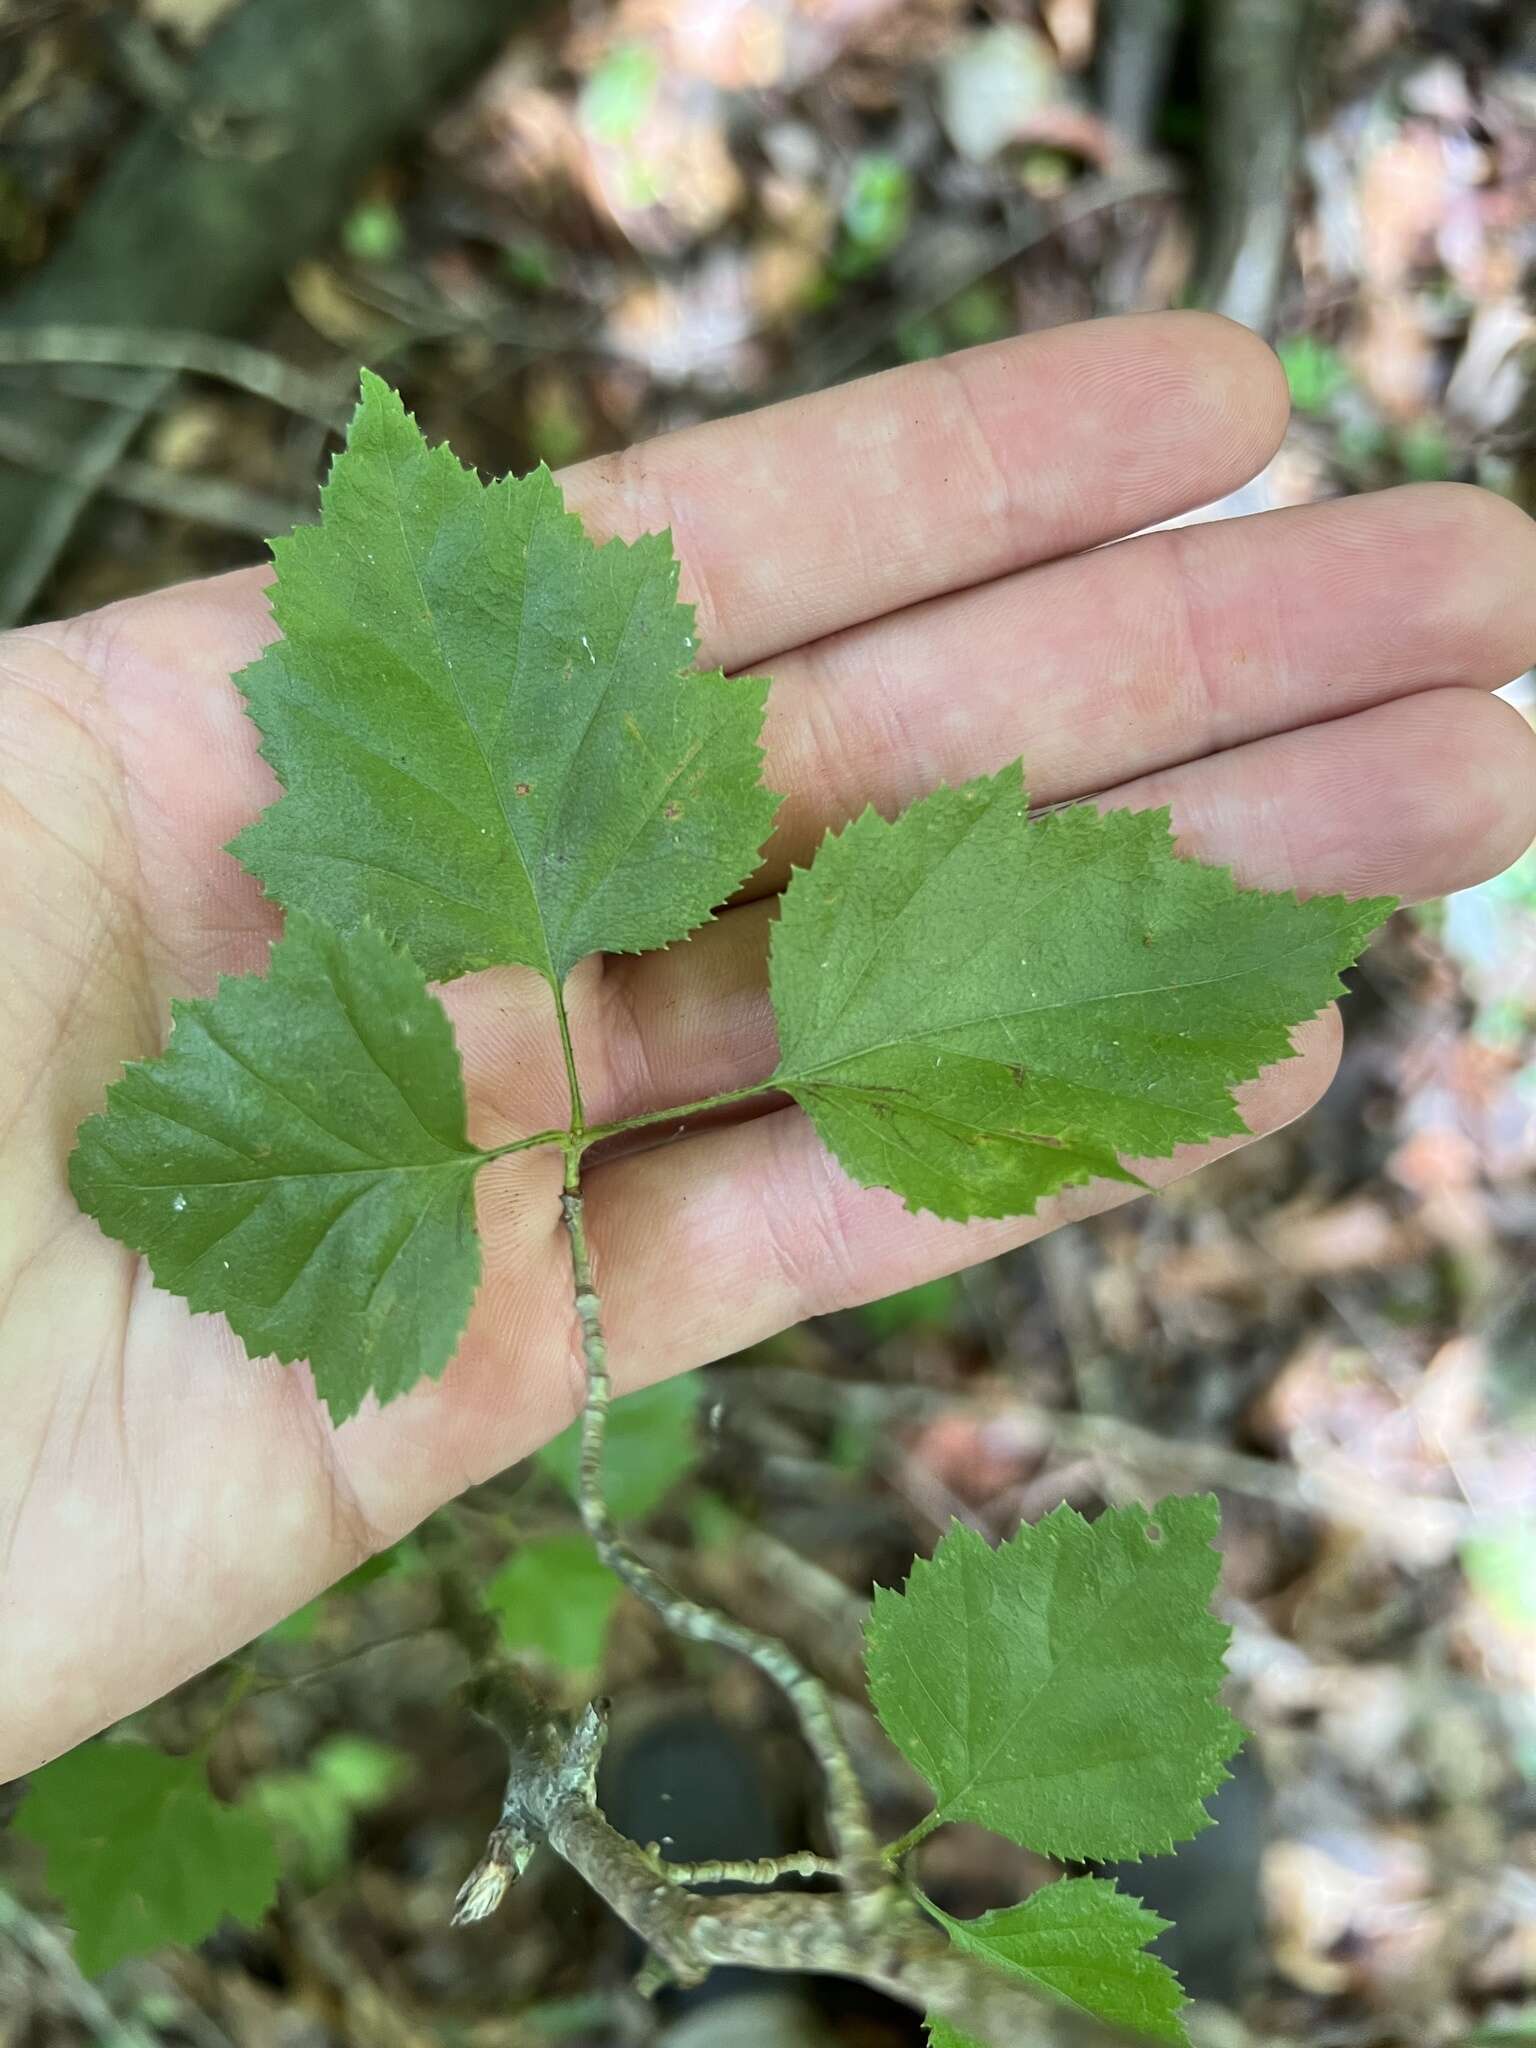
x: 916, y: 561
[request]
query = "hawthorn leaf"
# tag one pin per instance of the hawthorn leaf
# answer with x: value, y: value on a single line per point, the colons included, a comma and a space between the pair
x: 141, y: 1853
x: 978, y: 1008
x: 651, y: 1443
x: 492, y: 743
x: 297, y: 1158
x: 1082, y: 1943
x: 555, y: 1595
x: 1062, y: 1689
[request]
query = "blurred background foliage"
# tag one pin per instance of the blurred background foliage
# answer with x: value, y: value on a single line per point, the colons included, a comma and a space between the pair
x: 562, y: 232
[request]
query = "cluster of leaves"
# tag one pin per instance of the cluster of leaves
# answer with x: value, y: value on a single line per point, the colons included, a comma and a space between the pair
x: 495, y: 751
x: 1063, y: 1690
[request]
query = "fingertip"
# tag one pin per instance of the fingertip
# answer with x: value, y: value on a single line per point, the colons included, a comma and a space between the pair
x: 1479, y: 550
x: 1506, y: 799
x: 1234, y: 388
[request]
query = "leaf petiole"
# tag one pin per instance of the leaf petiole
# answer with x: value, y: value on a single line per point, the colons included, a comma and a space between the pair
x: 906, y: 1843
x: 572, y: 1079
x: 583, y: 1140
x: 677, y: 1115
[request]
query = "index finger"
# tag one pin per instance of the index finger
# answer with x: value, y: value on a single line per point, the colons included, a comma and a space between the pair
x: 831, y: 510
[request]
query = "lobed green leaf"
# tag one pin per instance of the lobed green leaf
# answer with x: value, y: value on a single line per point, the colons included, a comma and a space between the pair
x: 1062, y: 1689
x: 556, y: 1596
x: 492, y: 740
x: 297, y: 1158
x: 979, y: 1009
x: 1082, y: 1943
x: 141, y: 1853
x: 942, y: 2035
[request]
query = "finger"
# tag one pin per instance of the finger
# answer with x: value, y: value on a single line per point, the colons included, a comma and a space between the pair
x: 811, y: 516
x: 1416, y: 798
x: 1412, y: 799
x: 1161, y: 650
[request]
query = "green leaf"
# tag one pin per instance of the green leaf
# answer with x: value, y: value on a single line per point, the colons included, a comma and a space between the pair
x: 1501, y: 1566
x: 297, y: 1159
x: 926, y: 1306
x: 651, y: 1443
x: 490, y: 739
x: 312, y: 1811
x: 979, y: 1009
x: 141, y: 1853
x: 1061, y: 1689
x: 1082, y: 1943
x: 1315, y: 371
x: 1515, y: 2026
x: 556, y: 1596
x: 942, y: 2035
x: 620, y: 92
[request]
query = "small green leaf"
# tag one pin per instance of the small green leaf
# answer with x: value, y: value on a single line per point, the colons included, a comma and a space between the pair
x: 1062, y: 1689
x: 651, y: 1443
x: 373, y: 232
x: 928, y: 1305
x: 714, y: 1523
x: 1315, y: 371
x: 1515, y: 2026
x: 555, y: 1596
x: 978, y: 1009
x: 492, y: 741
x: 1424, y: 450
x: 297, y: 1158
x: 312, y: 1811
x: 141, y: 1853
x: 1082, y: 1943
x: 1501, y: 1567
x: 942, y: 2035
x: 620, y: 92
x: 877, y: 208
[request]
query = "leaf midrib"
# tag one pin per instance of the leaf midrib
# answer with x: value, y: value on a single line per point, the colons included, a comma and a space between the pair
x: 547, y: 969
x: 185, y: 1182
x: 783, y: 1079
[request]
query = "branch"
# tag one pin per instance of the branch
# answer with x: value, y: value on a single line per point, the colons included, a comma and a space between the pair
x: 1132, y: 62
x: 202, y: 212
x: 872, y: 1930
x: 210, y: 501
x: 847, y: 1814
x: 550, y: 1798
x: 201, y: 355
x: 1255, y: 59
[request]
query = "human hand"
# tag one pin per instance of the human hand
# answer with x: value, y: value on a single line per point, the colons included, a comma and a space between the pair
x: 915, y: 560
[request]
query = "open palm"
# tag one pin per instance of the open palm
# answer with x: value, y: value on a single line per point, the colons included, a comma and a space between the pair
x: 916, y: 560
